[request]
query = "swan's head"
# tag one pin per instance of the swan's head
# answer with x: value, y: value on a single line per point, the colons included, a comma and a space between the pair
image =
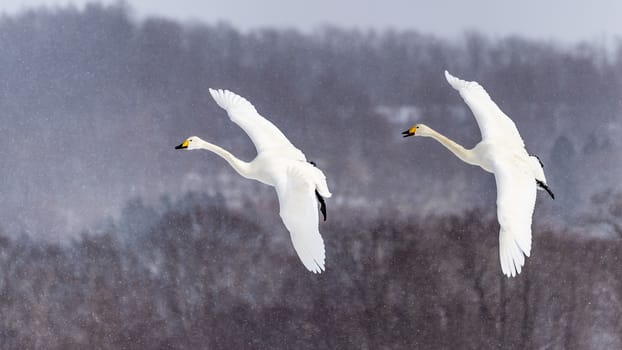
x: 416, y: 130
x: 190, y: 143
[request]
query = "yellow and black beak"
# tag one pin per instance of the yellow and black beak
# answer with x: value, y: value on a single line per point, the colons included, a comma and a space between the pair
x: 409, y: 132
x: 184, y: 145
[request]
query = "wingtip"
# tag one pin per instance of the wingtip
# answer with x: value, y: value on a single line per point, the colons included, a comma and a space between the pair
x: 320, y: 267
x: 316, y: 267
x: 512, y: 253
x: 448, y: 75
x: 452, y: 80
x: 218, y: 91
x: 509, y: 274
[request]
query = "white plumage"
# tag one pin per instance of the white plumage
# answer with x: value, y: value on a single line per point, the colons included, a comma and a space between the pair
x: 501, y: 152
x: 279, y: 164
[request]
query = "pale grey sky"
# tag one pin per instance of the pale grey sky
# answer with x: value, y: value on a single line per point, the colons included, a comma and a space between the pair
x: 566, y: 20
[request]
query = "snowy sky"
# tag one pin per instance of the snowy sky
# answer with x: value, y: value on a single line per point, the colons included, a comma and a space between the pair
x: 566, y: 20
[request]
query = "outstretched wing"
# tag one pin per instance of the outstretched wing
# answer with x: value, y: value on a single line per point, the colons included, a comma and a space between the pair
x: 492, y: 122
x: 265, y: 135
x: 516, y: 198
x: 299, y: 211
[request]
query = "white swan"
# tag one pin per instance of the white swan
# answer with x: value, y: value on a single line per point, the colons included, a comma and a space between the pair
x: 501, y: 152
x: 299, y: 184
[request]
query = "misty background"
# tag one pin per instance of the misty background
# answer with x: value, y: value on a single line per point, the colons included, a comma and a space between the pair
x: 110, y: 237
x: 93, y: 102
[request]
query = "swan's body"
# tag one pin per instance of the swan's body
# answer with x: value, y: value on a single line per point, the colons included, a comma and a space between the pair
x: 501, y: 152
x: 299, y: 184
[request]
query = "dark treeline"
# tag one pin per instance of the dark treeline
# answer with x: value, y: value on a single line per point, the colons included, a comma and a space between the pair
x: 99, y: 98
x: 196, y: 276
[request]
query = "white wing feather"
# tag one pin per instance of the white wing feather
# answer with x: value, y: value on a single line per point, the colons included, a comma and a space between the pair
x: 264, y: 135
x: 538, y: 171
x: 493, y: 123
x: 299, y: 211
x: 516, y: 198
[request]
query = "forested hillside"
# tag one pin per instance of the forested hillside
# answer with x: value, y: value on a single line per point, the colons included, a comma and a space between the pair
x: 202, y: 277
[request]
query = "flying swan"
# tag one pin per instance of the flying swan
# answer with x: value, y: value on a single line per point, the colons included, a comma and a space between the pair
x: 299, y: 184
x: 501, y: 152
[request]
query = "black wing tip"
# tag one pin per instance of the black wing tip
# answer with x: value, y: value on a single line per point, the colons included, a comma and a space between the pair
x: 539, y: 161
x: 319, y: 198
x: 550, y: 193
x: 322, y: 204
x: 545, y: 187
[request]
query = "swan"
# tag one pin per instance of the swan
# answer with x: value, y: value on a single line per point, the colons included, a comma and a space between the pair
x: 501, y: 152
x: 299, y: 184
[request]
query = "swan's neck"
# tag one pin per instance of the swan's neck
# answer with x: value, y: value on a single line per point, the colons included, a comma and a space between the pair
x: 466, y: 155
x: 242, y: 167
